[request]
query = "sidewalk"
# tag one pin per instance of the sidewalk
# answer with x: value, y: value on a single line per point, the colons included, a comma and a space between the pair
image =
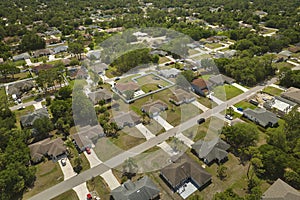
x: 240, y: 87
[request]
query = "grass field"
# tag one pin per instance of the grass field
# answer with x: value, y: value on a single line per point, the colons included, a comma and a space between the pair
x: 85, y: 163
x: 213, y: 45
x: 193, y: 51
x: 99, y: 185
x: 244, y: 105
x: 148, y: 87
x: 272, y: 91
x: 69, y: 195
x: 125, y: 141
x: 226, y: 92
x: 282, y: 65
x: 48, y: 174
x: 150, y: 79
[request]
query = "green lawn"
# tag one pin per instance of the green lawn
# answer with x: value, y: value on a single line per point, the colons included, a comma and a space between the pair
x: 205, y: 101
x: 213, y: 45
x: 226, y: 92
x: 127, y: 79
x: 85, y: 163
x: 69, y: 195
x: 148, y: 87
x: 272, y: 91
x: 163, y: 60
x: 193, y: 51
x: 98, y: 185
x: 244, y: 105
x: 150, y: 79
x: 205, y: 77
x: 48, y: 174
x: 282, y: 65
x: 125, y: 141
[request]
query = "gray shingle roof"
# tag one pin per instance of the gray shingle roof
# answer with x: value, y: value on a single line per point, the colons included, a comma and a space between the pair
x: 261, y: 116
x: 280, y: 190
x: 28, y: 120
x: 215, y: 149
x: 182, y: 169
x: 124, y: 119
x: 143, y: 189
x: 101, y: 94
x: 47, y: 147
x: 292, y: 94
x: 87, y: 135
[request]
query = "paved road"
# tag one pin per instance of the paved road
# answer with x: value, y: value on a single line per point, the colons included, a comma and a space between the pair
x: 30, y: 103
x: 119, y: 159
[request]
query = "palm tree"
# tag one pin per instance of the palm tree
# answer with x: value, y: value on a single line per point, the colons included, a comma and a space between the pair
x: 221, y: 172
x: 130, y: 168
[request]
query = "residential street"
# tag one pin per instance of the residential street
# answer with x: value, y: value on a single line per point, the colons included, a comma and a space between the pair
x: 119, y: 159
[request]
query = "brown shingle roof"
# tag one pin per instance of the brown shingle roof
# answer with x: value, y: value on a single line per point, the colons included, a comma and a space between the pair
x: 46, y: 147
x: 122, y: 87
x: 201, y: 83
x: 101, y: 94
x: 292, y: 94
x: 280, y: 190
x: 155, y: 106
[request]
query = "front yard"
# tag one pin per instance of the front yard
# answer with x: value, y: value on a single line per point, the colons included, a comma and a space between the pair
x: 244, y: 105
x: 48, y: 174
x: 98, y: 185
x: 272, y: 91
x: 69, y: 195
x: 226, y: 92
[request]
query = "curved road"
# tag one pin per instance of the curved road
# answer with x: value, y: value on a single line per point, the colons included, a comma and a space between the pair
x: 119, y: 159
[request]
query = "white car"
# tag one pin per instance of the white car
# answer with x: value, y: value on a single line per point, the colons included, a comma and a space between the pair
x: 229, y: 117
x: 63, y: 162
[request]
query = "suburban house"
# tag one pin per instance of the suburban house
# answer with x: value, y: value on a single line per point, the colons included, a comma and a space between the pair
x: 221, y: 79
x: 169, y: 73
x: 153, y: 109
x: 52, y: 149
x: 292, y: 94
x: 142, y: 189
x: 100, y: 94
x: 126, y: 119
x: 159, y: 52
x: 28, y: 120
x: 185, y: 170
x: 209, y: 151
x: 98, y: 67
x: 87, y: 136
x: 280, y: 105
x: 41, y: 67
x: 201, y: 87
x: 59, y: 49
x: 94, y: 55
x: 22, y: 56
x: 261, y: 116
x: 181, y: 96
x: 42, y: 52
x: 123, y: 87
x: 280, y: 190
x: 19, y: 88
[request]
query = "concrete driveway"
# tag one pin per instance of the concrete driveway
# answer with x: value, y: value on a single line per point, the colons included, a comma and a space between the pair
x: 81, y: 190
x: 110, y: 179
x: 200, y: 106
x: 187, y: 141
x: 108, y: 176
x: 147, y: 134
x: 163, y: 122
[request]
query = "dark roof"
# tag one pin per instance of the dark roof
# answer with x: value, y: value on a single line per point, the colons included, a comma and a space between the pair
x: 124, y: 119
x: 28, y: 120
x: 182, y: 169
x: 47, y: 147
x: 42, y: 52
x: 86, y: 135
x: 22, y: 56
x: 262, y: 116
x: 154, y: 107
x: 122, y: 87
x: 43, y: 67
x: 98, y: 67
x: 19, y: 87
x: 280, y: 190
x: 143, y: 189
x: 211, y: 150
x: 101, y: 94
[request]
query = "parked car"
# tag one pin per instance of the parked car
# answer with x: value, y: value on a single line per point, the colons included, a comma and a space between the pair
x: 21, y: 108
x: 118, y: 78
x: 88, y: 150
x: 240, y: 109
x: 63, y: 162
x: 229, y: 117
x: 201, y: 120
